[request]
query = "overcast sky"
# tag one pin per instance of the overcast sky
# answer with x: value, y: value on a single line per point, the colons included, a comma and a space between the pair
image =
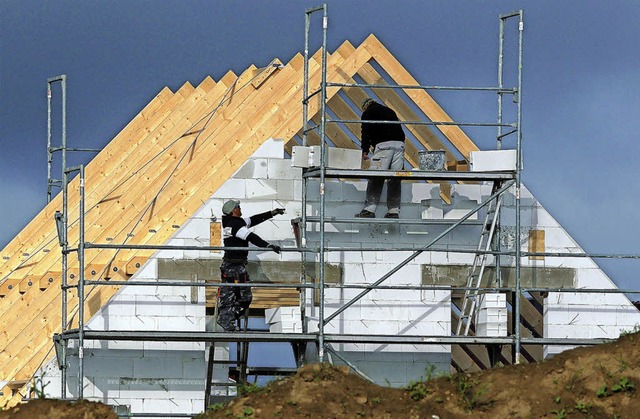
x: 580, y: 101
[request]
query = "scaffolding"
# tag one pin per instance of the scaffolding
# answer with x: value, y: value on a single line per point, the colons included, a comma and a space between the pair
x: 503, y: 181
x: 62, y: 147
x: 323, y: 340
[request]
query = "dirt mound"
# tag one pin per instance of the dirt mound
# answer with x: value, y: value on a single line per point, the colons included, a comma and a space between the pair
x: 56, y: 409
x: 599, y: 381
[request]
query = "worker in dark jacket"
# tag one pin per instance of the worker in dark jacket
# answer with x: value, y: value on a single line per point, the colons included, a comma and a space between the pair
x: 387, y: 142
x: 234, y: 301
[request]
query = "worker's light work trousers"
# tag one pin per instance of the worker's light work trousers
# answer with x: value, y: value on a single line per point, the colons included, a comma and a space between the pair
x: 388, y: 155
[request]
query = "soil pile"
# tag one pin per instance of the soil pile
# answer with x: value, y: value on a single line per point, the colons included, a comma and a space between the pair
x: 599, y: 381
x: 56, y: 409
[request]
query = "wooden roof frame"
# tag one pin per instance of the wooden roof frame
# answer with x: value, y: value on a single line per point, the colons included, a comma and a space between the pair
x: 155, y: 174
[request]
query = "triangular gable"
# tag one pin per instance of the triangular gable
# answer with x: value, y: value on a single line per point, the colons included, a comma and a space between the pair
x: 170, y: 158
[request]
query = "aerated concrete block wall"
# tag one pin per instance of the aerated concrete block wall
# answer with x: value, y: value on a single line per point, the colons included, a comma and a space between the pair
x: 132, y: 374
x: 258, y: 184
x: 569, y: 314
x: 576, y: 315
x: 150, y: 376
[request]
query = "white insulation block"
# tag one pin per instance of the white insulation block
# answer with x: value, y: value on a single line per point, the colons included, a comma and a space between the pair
x: 336, y: 158
x: 493, y: 160
x: 300, y: 156
x: 286, y: 327
x: 280, y: 314
x: 492, y: 315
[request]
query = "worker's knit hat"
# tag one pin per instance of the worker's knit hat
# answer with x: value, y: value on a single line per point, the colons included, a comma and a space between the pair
x: 366, y: 102
x: 228, y: 206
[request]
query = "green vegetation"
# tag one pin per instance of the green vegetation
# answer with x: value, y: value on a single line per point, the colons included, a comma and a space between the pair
x: 635, y: 329
x: 624, y: 385
x: 418, y: 390
x: 471, y: 396
x: 560, y: 414
x: 582, y: 407
x: 574, y: 380
x: 39, y: 386
x: 249, y: 388
x: 216, y: 406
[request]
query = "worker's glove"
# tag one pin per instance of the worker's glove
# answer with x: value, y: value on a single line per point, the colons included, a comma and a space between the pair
x: 277, y: 211
x: 275, y: 248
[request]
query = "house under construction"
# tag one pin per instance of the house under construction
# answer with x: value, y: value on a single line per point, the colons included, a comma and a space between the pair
x: 109, y: 293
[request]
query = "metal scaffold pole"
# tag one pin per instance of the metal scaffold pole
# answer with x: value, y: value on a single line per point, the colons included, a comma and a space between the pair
x: 305, y: 101
x: 81, y: 296
x: 60, y: 218
x: 51, y: 182
x: 518, y: 186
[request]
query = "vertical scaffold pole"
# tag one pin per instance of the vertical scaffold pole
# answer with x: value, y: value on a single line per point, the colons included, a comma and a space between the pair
x: 50, y: 147
x: 65, y: 249
x: 81, y: 289
x: 61, y: 219
x: 518, y: 99
x: 303, y: 213
x: 518, y: 183
x: 499, y: 138
x: 323, y: 100
x: 305, y: 100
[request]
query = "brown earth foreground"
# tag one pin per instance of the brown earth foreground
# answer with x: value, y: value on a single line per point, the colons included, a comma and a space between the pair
x: 599, y: 381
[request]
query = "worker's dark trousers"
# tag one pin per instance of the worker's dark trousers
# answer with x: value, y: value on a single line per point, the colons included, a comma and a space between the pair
x: 234, y: 301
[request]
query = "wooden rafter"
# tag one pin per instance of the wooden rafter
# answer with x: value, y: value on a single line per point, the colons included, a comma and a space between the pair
x: 155, y: 174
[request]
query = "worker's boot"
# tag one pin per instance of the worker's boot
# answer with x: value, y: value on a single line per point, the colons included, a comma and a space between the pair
x: 365, y: 214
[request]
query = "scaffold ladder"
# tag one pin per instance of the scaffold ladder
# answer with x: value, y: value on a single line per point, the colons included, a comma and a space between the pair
x: 472, y: 291
x: 241, y: 361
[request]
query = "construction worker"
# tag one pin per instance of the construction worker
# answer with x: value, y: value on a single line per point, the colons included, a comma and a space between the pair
x: 234, y: 301
x: 387, y: 141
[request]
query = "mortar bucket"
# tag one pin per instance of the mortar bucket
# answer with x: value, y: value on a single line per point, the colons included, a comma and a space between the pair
x: 431, y: 159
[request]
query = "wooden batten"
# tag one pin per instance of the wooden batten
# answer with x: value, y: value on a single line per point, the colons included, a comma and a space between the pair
x: 215, y: 235
x: 28, y: 282
x: 7, y: 286
x: 47, y: 280
x: 262, y: 297
x: 134, y: 264
x: 207, y: 84
x: 536, y: 243
x: 461, y: 360
x: 264, y: 73
x: 457, y: 165
x: 94, y: 271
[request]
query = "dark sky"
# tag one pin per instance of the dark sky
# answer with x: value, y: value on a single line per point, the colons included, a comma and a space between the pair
x: 580, y: 78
